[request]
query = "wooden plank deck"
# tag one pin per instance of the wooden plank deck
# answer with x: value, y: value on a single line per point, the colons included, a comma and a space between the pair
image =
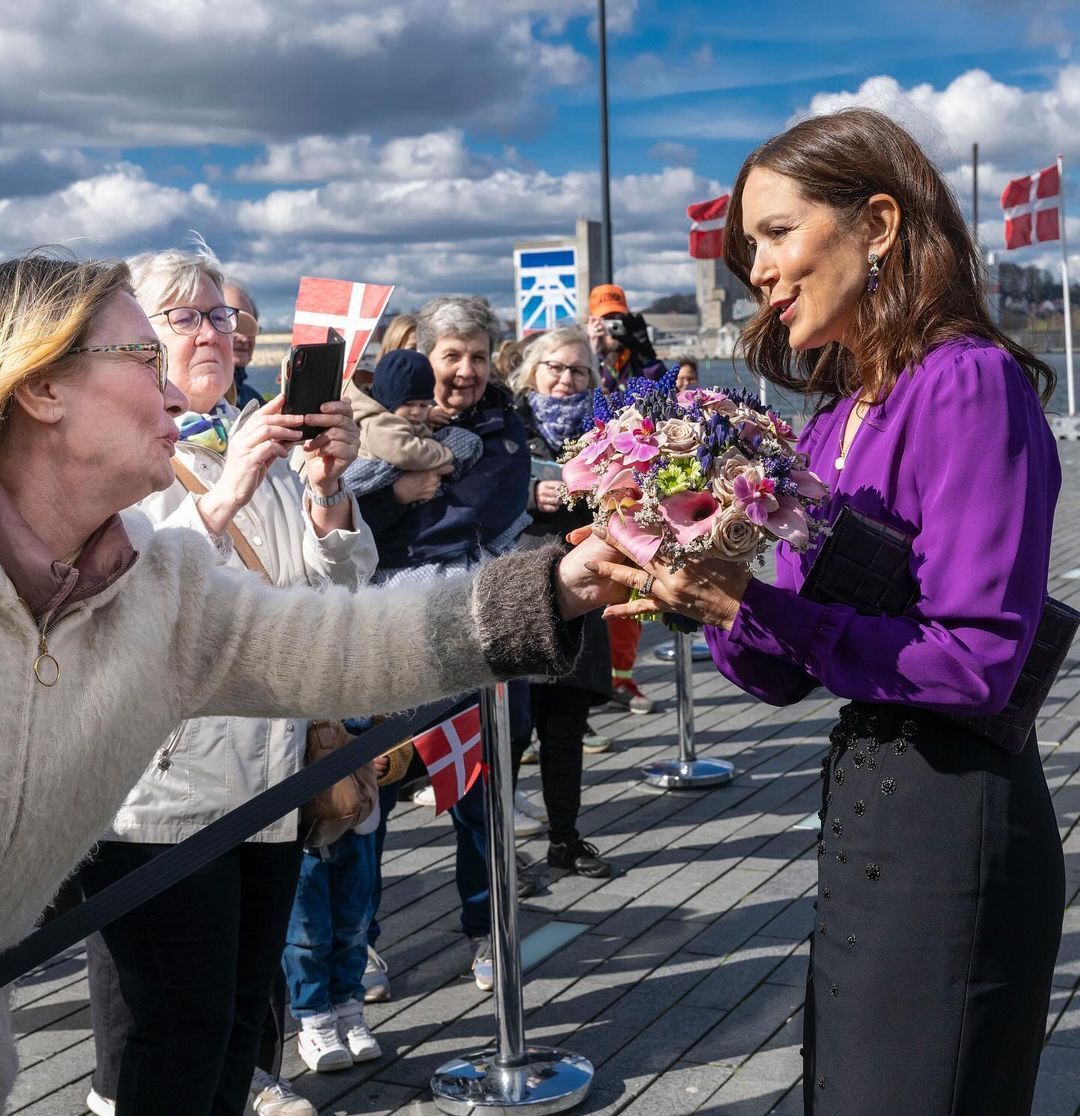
x: 685, y: 987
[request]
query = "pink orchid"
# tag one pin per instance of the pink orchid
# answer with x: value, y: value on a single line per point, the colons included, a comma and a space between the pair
x: 755, y: 494
x: 598, y: 445
x: 690, y: 514
x: 638, y: 444
x: 780, y: 427
x: 789, y: 522
x: 636, y: 542
x: 808, y: 484
x: 703, y: 397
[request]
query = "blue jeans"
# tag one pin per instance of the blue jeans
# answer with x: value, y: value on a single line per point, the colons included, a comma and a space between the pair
x: 326, y: 945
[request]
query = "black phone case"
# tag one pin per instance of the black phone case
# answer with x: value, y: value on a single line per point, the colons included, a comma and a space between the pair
x: 315, y: 377
x: 865, y: 564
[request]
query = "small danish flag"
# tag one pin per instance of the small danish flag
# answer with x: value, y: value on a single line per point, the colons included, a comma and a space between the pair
x: 452, y: 753
x: 1032, y: 207
x: 707, y: 227
x: 353, y: 309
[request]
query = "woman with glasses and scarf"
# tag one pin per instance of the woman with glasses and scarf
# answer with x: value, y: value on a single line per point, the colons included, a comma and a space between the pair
x: 198, y: 960
x: 555, y: 385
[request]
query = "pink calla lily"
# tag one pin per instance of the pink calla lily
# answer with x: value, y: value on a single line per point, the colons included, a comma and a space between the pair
x: 637, y: 543
x: 578, y: 474
x: 788, y: 522
x: 808, y: 484
x: 690, y: 514
x: 619, y: 478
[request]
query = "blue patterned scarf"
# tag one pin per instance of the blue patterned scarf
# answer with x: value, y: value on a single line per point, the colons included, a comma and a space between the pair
x: 560, y: 417
x: 211, y: 431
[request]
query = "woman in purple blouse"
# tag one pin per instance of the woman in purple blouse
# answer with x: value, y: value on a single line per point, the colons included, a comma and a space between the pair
x: 941, y: 882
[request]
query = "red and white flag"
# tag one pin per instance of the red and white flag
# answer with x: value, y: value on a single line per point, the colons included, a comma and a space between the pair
x: 1032, y: 207
x: 452, y: 753
x: 353, y: 309
x: 707, y: 227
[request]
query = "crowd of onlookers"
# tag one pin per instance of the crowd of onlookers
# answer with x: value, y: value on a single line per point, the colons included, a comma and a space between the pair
x: 439, y: 457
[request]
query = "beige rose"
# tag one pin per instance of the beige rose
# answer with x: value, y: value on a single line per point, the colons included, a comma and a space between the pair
x: 725, y: 469
x: 679, y: 436
x: 734, y: 537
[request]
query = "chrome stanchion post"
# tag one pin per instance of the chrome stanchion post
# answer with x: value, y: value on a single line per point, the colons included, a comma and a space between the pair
x: 687, y: 770
x: 513, y: 1075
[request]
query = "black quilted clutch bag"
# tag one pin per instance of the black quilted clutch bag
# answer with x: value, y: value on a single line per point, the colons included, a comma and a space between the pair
x: 865, y: 563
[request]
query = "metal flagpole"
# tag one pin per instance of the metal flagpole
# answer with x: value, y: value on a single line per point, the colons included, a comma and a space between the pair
x: 687, y: 771
x: 606, y: 264
x: 512, y: 1075
x: 1065, y: 289
x: 975, y: 192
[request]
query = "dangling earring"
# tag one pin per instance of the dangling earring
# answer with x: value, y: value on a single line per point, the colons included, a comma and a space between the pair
x: 875, y: 271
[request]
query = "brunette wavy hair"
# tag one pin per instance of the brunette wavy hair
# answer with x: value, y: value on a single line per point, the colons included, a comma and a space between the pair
x: 931, y: 288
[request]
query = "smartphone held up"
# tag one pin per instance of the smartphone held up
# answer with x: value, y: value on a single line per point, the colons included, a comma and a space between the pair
x: 313, y: 376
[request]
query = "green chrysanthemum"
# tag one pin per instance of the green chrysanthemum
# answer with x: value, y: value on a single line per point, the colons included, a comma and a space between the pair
x: 680, y: 474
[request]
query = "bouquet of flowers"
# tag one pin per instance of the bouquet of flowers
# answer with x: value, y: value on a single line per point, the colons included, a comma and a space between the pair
x: 672, y: 475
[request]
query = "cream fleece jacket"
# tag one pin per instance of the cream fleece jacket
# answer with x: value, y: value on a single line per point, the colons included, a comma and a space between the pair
x: 180, y: 636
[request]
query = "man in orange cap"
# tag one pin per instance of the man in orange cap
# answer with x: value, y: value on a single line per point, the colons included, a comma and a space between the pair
x: 620, y: 339
x: 621, y: 342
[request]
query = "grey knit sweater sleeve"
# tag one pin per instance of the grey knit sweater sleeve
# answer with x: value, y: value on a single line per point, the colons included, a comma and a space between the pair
x: 251, y: 650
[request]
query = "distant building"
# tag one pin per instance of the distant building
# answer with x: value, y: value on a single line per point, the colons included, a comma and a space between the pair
x: 725, y: 305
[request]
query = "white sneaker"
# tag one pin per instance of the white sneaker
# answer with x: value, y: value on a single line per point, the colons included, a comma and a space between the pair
x: 523, y: 804
x: 362, y: 1044
x: 320, y: 1044
x: 99, y: 1105
x: 425, y: 796
x: 524, y: 826
x: 483, y: 966
x: 274, y: 1096
x: 376, y: 978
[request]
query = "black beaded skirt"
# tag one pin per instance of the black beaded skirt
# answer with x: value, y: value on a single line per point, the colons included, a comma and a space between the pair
x: 940, y: 900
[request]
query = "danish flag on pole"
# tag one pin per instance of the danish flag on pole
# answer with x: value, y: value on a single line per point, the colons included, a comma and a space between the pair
x: 452, y: 754
x: 707, y: 227
x: 1032, y: 207
x: 353, y: 309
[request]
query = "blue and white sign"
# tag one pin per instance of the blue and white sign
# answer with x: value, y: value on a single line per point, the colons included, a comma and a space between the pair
x: 546, y: 288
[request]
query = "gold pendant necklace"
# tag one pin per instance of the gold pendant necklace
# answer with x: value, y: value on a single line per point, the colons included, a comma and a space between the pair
x: 839, y: 462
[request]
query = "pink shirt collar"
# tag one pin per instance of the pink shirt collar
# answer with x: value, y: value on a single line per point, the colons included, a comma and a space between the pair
x: 45, y: 583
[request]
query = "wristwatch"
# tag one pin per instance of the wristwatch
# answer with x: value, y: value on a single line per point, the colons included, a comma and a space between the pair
x: 328, y: 501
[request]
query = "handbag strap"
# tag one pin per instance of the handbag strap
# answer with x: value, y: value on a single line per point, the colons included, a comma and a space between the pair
x: 212, y: 841
x: 244, y: 550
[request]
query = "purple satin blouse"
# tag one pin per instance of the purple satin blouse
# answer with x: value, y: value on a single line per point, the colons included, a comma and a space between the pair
x: 960, y: 456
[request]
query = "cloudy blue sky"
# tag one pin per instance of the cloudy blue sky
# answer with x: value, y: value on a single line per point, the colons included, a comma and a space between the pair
x: 414, y: 142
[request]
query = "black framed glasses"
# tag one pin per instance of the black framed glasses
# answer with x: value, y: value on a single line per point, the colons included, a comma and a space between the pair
x: 187, y: 319
x: 579, y: 373
x: 160, y: 363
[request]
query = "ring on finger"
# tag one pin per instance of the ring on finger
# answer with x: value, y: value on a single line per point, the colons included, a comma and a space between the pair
x: 646, y: 587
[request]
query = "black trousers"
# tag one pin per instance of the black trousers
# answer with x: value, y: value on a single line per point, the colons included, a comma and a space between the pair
x: 560, y: 714
x: 195, y: 967
x: 940, y: 901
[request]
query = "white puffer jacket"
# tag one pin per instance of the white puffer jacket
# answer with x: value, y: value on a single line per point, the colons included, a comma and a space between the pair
x: 209, y: 766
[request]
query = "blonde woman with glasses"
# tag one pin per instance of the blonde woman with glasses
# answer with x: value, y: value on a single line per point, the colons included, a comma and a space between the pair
x: 113, y: 633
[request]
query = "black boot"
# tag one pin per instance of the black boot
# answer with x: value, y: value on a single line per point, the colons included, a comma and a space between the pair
x: 577, y: 856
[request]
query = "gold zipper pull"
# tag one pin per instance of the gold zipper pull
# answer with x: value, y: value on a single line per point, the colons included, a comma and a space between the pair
x: 46, y: 668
